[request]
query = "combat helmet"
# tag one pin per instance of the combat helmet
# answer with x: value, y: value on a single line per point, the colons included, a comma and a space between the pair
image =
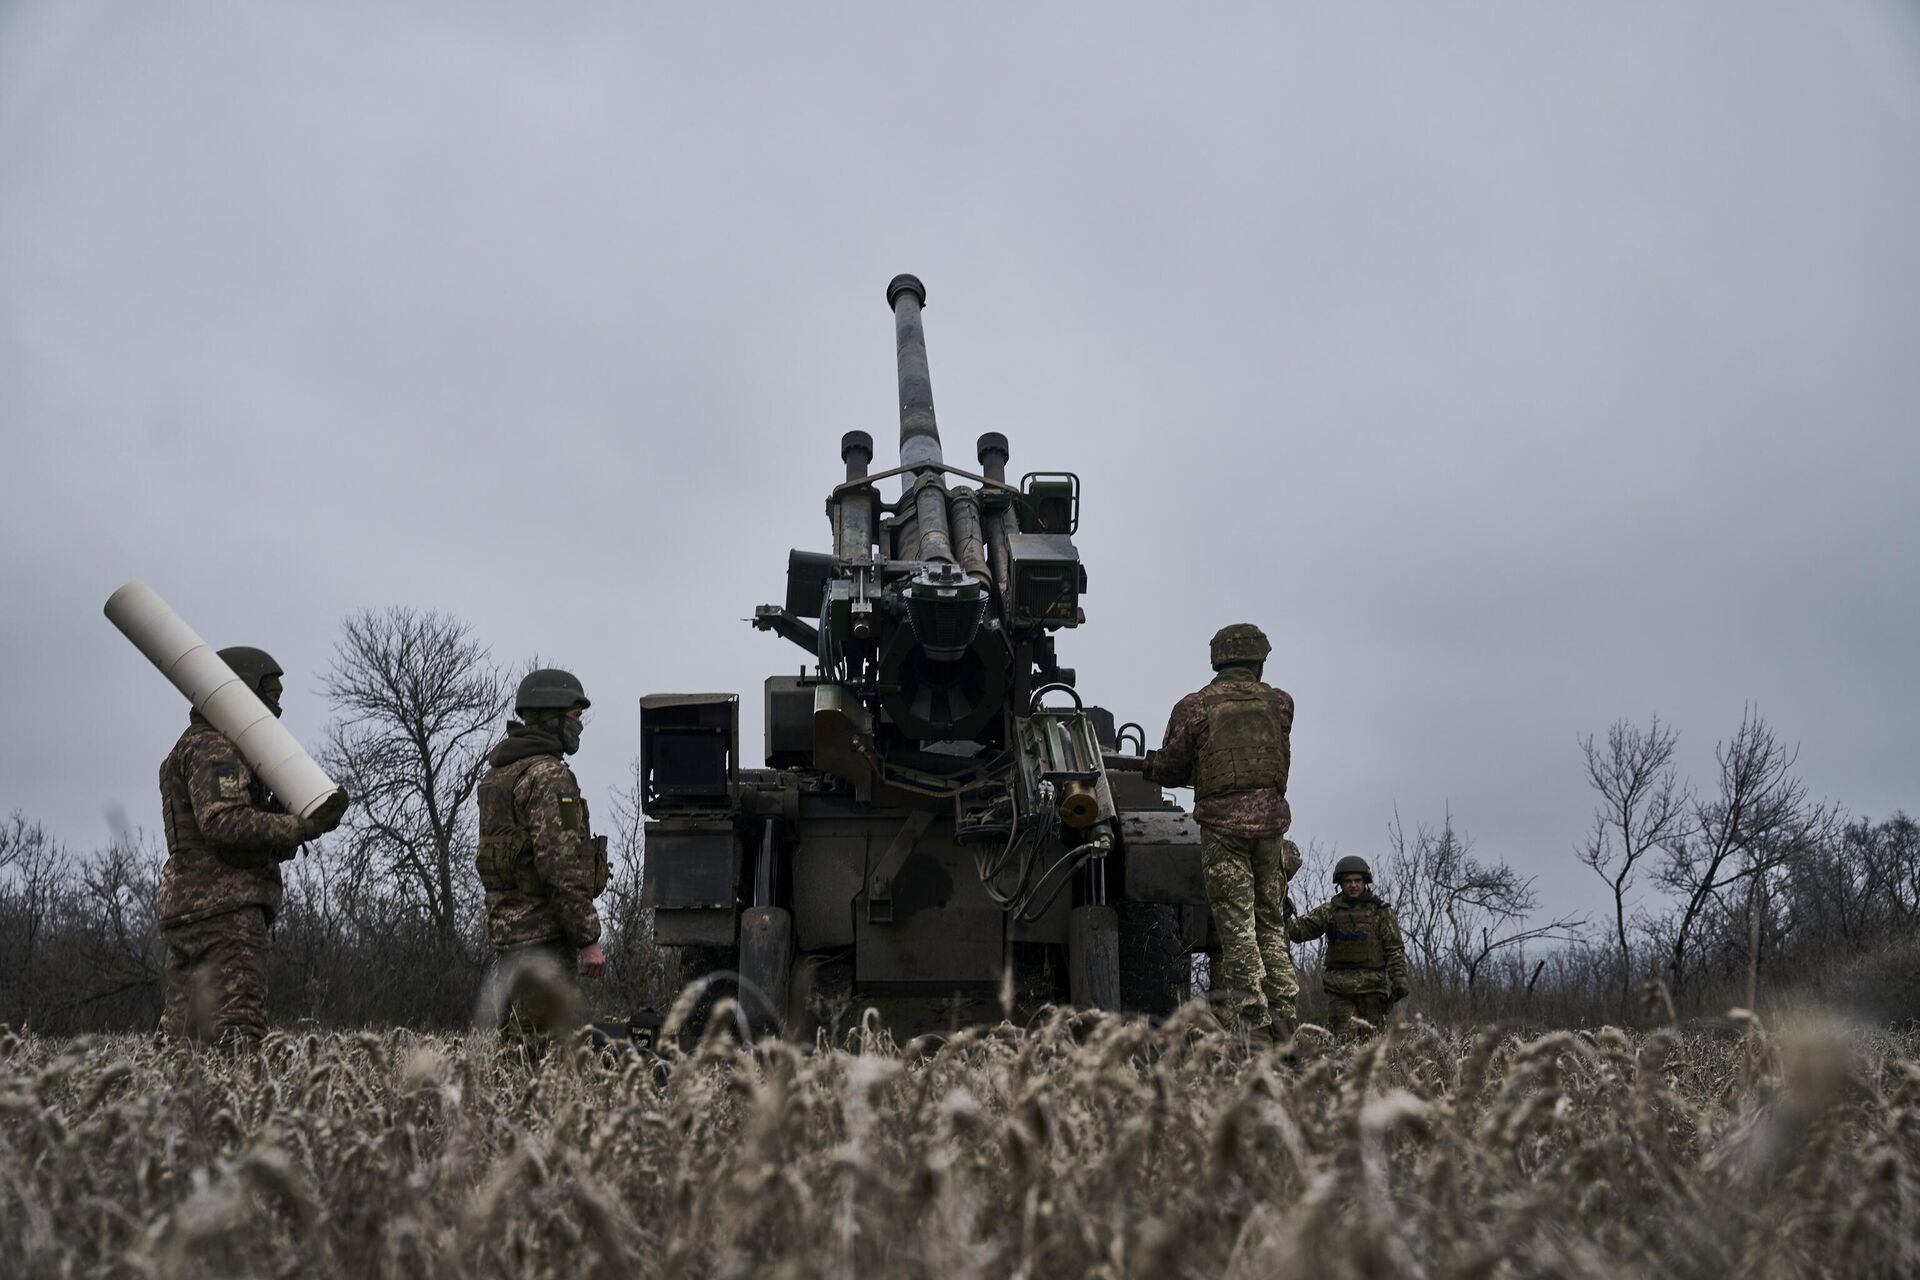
x: 1240, y: 642
x: 1352, y: 866
x: 250, y: 664
x: 550, y: 689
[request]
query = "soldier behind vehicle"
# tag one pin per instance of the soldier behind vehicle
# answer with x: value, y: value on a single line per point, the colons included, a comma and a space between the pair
x: 1231, y: 742
x: 1366, y: 963
x: 540, y: 863
x: 226, y: 838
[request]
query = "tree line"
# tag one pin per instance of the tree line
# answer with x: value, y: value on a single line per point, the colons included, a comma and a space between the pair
x: 1713, y: 894
x: 1719, y: 893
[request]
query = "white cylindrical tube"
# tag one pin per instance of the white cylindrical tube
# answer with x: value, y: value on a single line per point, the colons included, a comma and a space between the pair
x: 223, y: 698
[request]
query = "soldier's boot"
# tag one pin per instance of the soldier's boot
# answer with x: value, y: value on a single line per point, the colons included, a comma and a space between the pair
x: 1232, y: 1018
x: 1246, y: 1028
x: 1254, y: 1022
x: 1282, y: 1029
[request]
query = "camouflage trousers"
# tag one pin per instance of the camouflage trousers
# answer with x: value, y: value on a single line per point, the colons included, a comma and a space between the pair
x: 1247, y: 894
x: 538, y: 993
x: 216, y: 978
x: 1342, y: 1009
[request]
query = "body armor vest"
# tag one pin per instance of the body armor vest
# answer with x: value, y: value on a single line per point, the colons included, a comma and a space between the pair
x: 505, y: 860
x: 182, y: 828
x: 1353, y: 939
x: 1246, y: 747
x: 173, y: 791
x: 602, y: 866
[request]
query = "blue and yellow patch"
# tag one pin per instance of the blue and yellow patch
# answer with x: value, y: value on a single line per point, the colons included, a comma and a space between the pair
x: 228, y: 783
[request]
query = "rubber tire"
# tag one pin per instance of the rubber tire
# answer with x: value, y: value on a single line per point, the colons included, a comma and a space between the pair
x: 697, y: 962
x: 823, y: 991
x: 1155, y: 967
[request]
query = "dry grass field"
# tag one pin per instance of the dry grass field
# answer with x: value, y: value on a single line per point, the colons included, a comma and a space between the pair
x: 1079, y: 1146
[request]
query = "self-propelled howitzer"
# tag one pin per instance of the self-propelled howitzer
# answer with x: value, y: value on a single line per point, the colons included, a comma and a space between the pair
x: 939, y: 811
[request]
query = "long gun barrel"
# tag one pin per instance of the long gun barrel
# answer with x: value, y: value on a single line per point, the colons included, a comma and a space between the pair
x: 919, y: 433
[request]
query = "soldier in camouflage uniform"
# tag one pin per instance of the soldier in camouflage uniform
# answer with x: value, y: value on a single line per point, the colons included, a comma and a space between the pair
x: 1366, y: 963
x: 219, y: 893
x: 1231, y: 742
x: 539, y: 862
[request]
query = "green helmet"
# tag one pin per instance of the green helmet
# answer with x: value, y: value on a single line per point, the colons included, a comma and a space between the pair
x: 550, y: 689
x: 1241, y: 642
x: 1352, y: 866
x: 250, y: 664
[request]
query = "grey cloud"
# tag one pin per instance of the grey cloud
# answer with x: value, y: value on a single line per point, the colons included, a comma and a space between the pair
x: 1520, y: 368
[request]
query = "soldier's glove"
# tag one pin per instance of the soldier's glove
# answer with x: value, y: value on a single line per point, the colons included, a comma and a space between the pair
x: 1146, y: 767
x: 322, y: 822
x: 312, y: 829
x: 1399, y: 994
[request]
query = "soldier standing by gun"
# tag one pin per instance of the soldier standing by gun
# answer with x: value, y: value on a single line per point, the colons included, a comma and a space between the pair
x: 1366, y: 973
x: 1231, y: 741
x: 219, y: 893
x: 539, y: 861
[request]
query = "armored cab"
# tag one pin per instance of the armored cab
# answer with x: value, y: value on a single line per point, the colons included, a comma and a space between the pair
x: 940, y: 819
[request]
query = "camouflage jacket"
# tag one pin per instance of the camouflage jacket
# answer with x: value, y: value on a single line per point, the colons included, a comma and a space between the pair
x: 1262, y: 812
x: 548, y: 868
x: 1364, y: 950
x: 226, y: 837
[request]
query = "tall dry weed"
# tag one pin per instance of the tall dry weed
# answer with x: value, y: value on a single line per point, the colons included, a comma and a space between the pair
x: 1080, y: 1145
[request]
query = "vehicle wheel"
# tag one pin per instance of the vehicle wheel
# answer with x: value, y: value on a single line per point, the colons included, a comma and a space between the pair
x: 823, y: 995
x: 718, y: 970
x: 1039, y: 979
x: 1155, y: 969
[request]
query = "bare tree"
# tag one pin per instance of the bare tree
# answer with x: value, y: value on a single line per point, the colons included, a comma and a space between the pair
x: 113, y: 894
x: 1757, y: 819
x: 1457, y: 912
x: 1852, y: 891
x: 639, y: 970
x: 628, y: 835
x: 1887, y: 858
x: 1642, y: 808
x: 417, y: 699
x: 32, y: 864
x: 1313, y: 882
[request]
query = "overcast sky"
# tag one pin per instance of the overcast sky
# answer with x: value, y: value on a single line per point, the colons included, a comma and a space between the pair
x: 1518, y: 366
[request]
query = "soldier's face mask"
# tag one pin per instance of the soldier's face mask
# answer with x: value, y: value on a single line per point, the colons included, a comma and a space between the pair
x: 570, y: 726
x: 270, y: 690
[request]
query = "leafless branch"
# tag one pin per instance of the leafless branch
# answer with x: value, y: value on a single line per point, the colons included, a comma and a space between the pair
x: 417, y: 701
